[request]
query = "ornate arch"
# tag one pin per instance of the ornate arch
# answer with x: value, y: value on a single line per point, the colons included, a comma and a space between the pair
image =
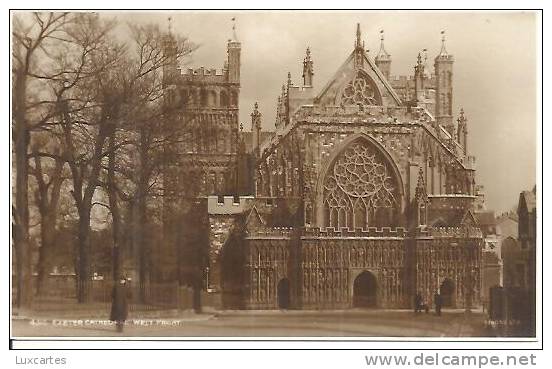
x: 359, y: 187
x: 360, y: 90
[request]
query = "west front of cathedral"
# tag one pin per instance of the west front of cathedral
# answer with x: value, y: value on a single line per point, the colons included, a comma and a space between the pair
x: 362, y: 196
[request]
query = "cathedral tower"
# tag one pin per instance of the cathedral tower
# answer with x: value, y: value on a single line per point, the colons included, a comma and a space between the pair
x: 443, y: 87
x: 234, y: 63
x: 170, y: 53
x: 383, y: 59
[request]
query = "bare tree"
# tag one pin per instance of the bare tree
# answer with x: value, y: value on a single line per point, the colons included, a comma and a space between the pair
x: 89, y: 110
x: 30, y: 40
x: 136, y: 151
x: 100, y: 104
x: 49, y: 180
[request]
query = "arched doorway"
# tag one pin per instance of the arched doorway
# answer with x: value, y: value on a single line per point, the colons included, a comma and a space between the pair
x: 365, y: 288
x: 283, y: 293
x: 448, y: 293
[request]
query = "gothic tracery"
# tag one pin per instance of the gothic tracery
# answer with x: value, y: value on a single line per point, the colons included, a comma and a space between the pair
x: 358, y: 187
x: 359, y: 91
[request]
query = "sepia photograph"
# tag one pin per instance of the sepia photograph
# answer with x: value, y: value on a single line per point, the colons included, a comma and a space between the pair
x: 285, y: 174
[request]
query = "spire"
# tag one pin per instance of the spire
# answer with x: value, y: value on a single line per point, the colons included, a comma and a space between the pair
x: 420, y: 198
x: 255, y: 118
x: 234, y: 36
x: 170, y: 69
x: 256, y: 128
x: 383, y: 59
x: 420, y: 186
x: 359, y: 50
x: 358, y: 44
x: 462, y: 131
x: 443, y: 48
x: 279, y: 113
x: 382, y: 54
x: 289, y: 80
x: 419, y: 67
x: 307, y: 69
x: 462, y: 117
x: 419, y: 77
x: 426, y: 69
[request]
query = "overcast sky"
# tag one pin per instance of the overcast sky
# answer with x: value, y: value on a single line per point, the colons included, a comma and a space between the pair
x: 494, y: 70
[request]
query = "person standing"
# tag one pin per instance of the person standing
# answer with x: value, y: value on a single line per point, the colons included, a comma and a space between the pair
x: 418, y: 302
x: 119, y: 303
x: 438, y: 303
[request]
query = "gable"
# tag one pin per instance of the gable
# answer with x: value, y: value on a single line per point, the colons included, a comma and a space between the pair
x: 527, y: 202
x: 469, y: 220
x: 354, y: 84
x: 254, y: 221
x: 439, y: 222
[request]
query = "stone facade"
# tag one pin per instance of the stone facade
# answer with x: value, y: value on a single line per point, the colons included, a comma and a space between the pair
x: 520, y: 255
x: 363, y: 196
x: 204, y: 109
x: 200, y: 159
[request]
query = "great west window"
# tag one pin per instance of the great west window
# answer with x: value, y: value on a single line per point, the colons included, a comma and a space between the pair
x: 361, y: 189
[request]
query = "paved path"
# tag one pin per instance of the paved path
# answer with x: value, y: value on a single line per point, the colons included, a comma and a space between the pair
x: 346, y: 323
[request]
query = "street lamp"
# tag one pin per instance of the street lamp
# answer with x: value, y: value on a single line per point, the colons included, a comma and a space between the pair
x: 207, y: 279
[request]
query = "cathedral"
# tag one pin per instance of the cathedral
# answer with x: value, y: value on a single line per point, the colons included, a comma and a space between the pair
x: 362, y: 196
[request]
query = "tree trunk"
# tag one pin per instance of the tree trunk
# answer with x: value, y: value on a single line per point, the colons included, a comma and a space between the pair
x: 141, y: 211
x: 114, y: 207
x: 140, y: 234
x: 83, y: 202
x: 47, y: 234
x: 83, y: 272
x: 47, y: 206
x: 21, y: 240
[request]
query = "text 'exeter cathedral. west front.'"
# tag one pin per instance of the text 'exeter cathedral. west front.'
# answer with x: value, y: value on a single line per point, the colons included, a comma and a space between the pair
x: 363, y: 196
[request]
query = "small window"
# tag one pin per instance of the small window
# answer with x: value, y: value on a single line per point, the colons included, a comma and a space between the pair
x: 236, y: 199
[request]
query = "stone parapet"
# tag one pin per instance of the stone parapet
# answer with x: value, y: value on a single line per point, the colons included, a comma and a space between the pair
x: 371, y: 232
x: 276, y: 232
x: 448, y: 232
x: 396, y: 114
x: 225, y: 205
